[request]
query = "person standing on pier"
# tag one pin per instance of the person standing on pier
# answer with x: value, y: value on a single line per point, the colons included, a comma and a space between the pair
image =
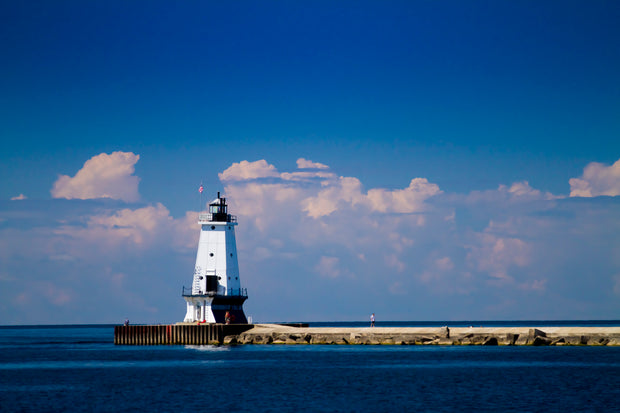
x: 372, y: 320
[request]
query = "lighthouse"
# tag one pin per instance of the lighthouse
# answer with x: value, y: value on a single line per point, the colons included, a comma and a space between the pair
x: 216, y: 295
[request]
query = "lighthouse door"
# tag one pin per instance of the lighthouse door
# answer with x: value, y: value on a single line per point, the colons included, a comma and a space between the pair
x: 211, y: 283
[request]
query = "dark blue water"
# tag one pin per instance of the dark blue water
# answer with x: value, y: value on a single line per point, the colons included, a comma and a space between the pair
x: 79, y: 369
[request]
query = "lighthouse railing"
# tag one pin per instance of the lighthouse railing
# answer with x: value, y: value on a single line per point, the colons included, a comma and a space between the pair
x: 237, y: 292
x: 208, y: 217
x: 242, y: 292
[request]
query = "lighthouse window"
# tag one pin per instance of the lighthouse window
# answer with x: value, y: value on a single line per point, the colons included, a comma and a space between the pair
x: 219, y: 278
x: 212, y: 226
x: 211, y: 254
x: 231, y: 254
x: 229, y: 278
x: 228, y: 227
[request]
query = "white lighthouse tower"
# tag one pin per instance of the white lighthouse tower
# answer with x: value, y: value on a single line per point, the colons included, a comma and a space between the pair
x: 216, y: 288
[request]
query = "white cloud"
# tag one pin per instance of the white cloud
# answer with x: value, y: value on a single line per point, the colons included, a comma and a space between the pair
x: 408, y: 200
x: 102, y: 176
x: 400, y: 242
x: 444, y: 264
x: 534, y: 285
x: 263, y: 203
x: 47, y: 291
x: 597, y: 179
x: 19, y: 197
x: 130, y: 230
x: 524, y: 190
x: 342, y: 191
x: 497, y: 255
x: 392, y: 261
x: 137, y: 225
x: 56, y: 295
x: 330, y: 194
x: 328, y: 266
x: 309, y: 233
x: 245, y: 170
x: 346, y: 192
x: 517, y: 192
x: 398, y: 288
x: 306, y: 176
x: 308, y: 164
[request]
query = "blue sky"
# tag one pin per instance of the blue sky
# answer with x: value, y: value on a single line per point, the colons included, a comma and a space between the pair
x: 419, y: 159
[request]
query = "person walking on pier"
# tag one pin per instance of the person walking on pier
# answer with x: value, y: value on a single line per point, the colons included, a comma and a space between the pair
x: 372, y: 320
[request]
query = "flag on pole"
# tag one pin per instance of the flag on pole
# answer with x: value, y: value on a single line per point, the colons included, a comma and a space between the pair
x: 200, y: 189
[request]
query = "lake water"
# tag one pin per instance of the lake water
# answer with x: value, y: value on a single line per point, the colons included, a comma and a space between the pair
x: 78, y: 368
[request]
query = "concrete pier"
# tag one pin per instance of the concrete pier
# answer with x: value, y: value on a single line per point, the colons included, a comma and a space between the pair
x: 192, y: 334
x: 540, y: 336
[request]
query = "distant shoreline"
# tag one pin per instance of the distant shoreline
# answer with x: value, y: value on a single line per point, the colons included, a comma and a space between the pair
x: 379, y: 323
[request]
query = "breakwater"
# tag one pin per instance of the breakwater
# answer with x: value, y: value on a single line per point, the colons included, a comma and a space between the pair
x: 274, y: 334
x: 299, y: 334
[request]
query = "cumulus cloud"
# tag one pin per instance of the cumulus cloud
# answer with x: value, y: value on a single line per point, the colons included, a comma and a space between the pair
x: 328, y: 266
x: 245, y: 170
x: 597, y: 179
x: 497, y: 255
x: 308, y: 164
x: 298, y: 213
x: 306, y: 176
x: 444, y: 264
x: 408, y: 200
x: 56, y: 295
x: 130, y: 229
x: 102, y: 176
x: 517, y: 192
x: 524, y: 190
x: 46, y: 290
x: 330, y: 192
x: 312, y: 233
x: 263, y: 203
x: 134, y: 225
x: 534, y: 285
x: 393, y: 261
x: 345, y: 191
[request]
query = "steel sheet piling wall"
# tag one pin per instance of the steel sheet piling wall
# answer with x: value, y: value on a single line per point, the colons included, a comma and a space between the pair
x: 146, y: 335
